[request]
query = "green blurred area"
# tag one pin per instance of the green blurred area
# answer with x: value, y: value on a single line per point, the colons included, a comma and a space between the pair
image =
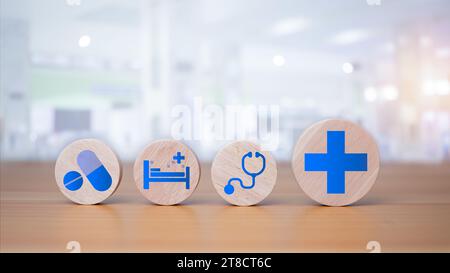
x: 83, y: 88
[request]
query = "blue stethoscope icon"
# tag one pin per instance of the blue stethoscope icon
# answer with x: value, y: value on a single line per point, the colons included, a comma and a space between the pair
x: 229, y: 189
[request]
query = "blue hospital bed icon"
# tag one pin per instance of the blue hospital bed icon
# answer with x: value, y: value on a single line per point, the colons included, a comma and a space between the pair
x: 154, y: 175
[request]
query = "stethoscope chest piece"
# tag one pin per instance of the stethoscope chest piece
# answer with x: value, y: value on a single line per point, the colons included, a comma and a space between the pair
x: 243, y: 174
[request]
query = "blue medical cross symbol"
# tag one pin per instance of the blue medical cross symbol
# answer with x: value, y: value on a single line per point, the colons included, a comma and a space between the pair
x: 178, y: 157
x: 335, y: 162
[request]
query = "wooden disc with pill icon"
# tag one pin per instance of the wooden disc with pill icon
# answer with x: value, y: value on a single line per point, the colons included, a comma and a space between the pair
x: 243, y: 174
x: 166, y: 172
x: 336, y: 162
x: 87, y: 171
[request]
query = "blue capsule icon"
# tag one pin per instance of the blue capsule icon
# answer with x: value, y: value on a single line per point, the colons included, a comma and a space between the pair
x: 93, y: 169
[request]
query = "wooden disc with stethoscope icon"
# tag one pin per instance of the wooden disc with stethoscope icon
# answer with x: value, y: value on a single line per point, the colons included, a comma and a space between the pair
x: 243, y: 174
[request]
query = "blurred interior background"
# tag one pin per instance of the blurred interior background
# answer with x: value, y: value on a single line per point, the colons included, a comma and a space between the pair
x: 113, y: 70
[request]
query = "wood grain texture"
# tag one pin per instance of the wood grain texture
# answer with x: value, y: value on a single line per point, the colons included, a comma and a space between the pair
x: 67, y: 161
x: 228, y: 164
x: 357, y: 183
x: 161, y: 153
x: 407, y: 210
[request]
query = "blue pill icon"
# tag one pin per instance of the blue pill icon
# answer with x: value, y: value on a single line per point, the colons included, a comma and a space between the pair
x: 94, y: 170
x: 73, y: 180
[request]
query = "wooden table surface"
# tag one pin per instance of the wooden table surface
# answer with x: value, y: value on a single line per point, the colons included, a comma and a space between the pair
x: 407, y: 210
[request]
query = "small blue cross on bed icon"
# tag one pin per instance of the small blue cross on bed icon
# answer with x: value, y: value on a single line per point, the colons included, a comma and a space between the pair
x: 336, y: 162
x: 178, y: 157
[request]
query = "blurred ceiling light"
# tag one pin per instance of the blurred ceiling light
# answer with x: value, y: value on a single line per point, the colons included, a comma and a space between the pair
x: 349, y: 37
x: 73, y: 2
x: 370, y: 94
x: 278, y: 60
x: 443, y: 53
x: 427, y: 88
x: 348, y: 68
x: 84, y: 41
x: 437, y: 87
x: 442, y: 87
x: 390, y: 92
x: 288, y: 26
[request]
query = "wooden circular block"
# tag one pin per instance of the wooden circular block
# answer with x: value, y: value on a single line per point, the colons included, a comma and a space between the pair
x: 167, y: 172
x: 335, y: 162
x: 87, y: 171
x: 243, y: 174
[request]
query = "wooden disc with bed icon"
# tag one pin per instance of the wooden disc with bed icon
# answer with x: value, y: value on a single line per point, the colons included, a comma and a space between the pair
x: 167, y: 172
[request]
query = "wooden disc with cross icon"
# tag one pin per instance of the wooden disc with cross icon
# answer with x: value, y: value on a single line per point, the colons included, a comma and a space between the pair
x: 336, y: 162
x: 167, y: 172
x: 243, y: 174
